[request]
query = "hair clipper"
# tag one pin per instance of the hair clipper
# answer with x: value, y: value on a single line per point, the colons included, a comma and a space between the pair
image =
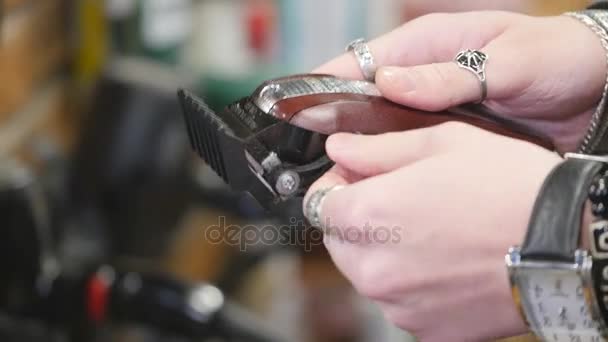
x: 255, y: 145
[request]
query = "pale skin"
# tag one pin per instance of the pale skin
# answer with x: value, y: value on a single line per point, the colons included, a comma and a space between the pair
x: 460, y: 196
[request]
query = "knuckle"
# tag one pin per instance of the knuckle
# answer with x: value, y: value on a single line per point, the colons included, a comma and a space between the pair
x: 439, y: 73
x: 368, y: 284
x: 377, y: 280
x: 359, y: 211
x: 443, y: 79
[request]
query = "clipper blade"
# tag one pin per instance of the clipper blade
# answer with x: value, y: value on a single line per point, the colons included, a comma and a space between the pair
x: 204, y: 127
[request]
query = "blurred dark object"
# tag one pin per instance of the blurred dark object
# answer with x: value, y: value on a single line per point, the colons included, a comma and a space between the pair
x: 133, y: 162
x: 599, y: 5
x: 189, y: 310
x: 28, y: 265
x: 40, y: 300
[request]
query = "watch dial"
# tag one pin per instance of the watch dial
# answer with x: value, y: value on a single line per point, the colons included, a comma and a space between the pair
x: 555, y: 306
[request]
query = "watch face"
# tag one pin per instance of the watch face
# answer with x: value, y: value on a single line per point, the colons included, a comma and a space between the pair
x: 555, y: 305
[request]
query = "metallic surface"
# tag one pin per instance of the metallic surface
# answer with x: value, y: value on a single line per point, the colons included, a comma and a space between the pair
x: 270, y: 93
x: 581, y: 266
x: 365, y: 58
x: 288, y: 183
x: 601, y: 159
x: 314, y: 206
x: 594, y: 140
x: 475, y: 62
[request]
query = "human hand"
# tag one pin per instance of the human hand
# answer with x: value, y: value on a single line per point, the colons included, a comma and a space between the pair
x: 424, y: 222
x: 547, y: 72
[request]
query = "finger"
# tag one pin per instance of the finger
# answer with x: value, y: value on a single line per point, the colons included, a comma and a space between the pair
x: 344, y: 212
x: 337, y: 176
x: 355, y: 210
x: 428, y: 39
x: 371, y: 155
x: 439, y: 86
x: 431, y: 87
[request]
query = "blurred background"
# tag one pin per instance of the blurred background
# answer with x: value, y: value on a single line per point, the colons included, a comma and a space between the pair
x: 105, y: 213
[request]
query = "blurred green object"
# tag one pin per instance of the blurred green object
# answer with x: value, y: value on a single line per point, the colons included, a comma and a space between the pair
x: 157, y: 29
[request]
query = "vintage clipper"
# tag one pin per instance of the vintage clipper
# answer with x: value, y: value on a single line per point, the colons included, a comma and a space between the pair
x: 255, y: 146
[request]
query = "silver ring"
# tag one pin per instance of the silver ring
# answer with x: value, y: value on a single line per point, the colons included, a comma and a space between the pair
x: 475, y: 62
x: 314, y: 205
x: 365, y: 58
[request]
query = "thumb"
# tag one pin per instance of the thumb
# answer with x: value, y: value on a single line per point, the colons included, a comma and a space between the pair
x: 430, y: 87
x: 372, y: 155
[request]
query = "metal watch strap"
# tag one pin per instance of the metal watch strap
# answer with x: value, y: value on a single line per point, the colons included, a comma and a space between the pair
x: 595, y: 140
x: 598, y: 239
x: 554, y: 229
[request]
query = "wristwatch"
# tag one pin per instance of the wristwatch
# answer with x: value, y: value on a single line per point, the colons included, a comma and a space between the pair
x: 598, y: 236
x: 550, y: 277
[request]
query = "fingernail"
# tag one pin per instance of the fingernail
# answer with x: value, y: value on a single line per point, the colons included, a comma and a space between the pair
x: 397, y: 78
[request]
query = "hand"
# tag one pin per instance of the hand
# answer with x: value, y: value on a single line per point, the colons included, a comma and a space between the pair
x: 547, y: 72
x: 425, y: 220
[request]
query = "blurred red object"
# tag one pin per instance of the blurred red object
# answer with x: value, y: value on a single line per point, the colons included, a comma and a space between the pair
x: 261, y: 18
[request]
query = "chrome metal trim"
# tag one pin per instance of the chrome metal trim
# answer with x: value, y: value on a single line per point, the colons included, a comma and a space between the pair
x: 594, y: 252
x: 271, y: 162
x: 475, y: 61
x: 513, y: 260
x: 596, y: 255
x: 597, y: 158
x: 258, y: 171
x: 364, y: 57
x: 590, y: 295
x: 582, y: 265
x: 263, y: 181
x: 270, y: 93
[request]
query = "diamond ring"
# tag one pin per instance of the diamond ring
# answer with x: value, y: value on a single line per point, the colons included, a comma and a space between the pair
x: 475, y: 62
x: 365, y: 58
x: 314, y: 205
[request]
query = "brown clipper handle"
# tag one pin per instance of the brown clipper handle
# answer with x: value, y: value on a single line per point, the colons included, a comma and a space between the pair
x: 378, y: 115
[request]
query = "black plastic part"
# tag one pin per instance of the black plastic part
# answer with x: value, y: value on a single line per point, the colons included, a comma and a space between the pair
x: 131, y: 170
x: 163, y: 302
x: 26, y: 242
x: 231, y: 140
